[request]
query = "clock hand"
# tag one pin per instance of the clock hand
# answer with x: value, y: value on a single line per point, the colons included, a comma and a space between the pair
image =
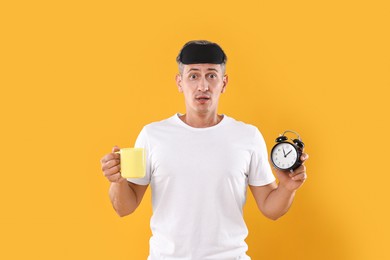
x: 284, y: 153
x: 288, y: 153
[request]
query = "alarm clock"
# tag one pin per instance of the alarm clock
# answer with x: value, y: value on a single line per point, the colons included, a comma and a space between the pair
x: 286, y: 155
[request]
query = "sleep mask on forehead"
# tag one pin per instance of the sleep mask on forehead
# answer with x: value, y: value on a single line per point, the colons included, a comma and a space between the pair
x: 202, y: 53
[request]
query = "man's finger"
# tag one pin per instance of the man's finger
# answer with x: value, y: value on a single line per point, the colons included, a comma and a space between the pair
x: 115, y: 177
x: 110, y: 164
x: 106, y: 158
x: 116, y: 149
x: 113, y: 170
x: 109, y: 157
x: 298, y: 170
x: 304, y: 157
x: 300, y: 177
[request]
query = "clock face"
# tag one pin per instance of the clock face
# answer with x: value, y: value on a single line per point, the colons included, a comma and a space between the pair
x: 284, y: 155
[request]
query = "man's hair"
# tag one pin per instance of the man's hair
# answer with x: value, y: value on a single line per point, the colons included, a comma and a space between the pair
x: 199, y: 42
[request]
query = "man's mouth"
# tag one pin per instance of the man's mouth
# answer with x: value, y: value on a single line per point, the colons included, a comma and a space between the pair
x: 203, y: 98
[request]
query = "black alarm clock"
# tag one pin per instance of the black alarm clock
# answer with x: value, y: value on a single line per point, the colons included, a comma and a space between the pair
x: 286, y: 155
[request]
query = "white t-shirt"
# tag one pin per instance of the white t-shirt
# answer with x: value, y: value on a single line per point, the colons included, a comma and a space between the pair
x: 199, y: 179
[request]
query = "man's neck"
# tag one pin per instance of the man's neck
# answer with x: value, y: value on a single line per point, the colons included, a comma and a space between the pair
x: 201, y: 120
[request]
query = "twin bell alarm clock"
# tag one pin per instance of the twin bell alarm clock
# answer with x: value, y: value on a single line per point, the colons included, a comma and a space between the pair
x: 285, y: 155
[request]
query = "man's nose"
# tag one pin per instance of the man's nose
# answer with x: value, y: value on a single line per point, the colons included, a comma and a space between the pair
x: 203, y: 85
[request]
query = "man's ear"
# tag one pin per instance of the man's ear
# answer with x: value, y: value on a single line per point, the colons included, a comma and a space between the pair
x: 224, y: 82
x: 178, y: 82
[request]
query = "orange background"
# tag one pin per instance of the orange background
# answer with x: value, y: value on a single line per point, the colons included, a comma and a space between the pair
x: 78, y: 77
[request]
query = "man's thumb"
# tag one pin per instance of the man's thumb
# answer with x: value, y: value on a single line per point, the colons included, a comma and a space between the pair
x: 115, y: 149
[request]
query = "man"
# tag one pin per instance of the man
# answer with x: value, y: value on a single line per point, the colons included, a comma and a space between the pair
x: 199, y: 165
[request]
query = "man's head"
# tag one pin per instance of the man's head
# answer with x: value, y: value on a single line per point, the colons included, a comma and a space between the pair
x: 201, y: 75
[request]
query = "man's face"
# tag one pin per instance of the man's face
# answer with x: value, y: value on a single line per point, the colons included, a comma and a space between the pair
x: 202, y: 84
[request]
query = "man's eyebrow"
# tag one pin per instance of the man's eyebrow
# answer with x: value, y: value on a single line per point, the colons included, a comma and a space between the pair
x: 193, y: 69
x: 199, y: 69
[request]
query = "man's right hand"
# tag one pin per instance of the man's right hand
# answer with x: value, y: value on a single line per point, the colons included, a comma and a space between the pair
x: 111, y: 166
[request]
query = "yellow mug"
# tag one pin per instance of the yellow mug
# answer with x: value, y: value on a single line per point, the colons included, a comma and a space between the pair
x: 133, y: 162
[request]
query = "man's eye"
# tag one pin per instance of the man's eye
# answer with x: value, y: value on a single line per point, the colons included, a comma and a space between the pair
x: 213, y: 76
x: 193, y: 77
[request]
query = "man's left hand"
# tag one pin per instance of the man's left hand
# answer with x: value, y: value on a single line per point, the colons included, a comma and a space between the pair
x: 293, y: 180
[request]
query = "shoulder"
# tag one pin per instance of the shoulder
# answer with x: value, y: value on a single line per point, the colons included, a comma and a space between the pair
x: 241, y: 126
x: 160, y: 123
x: 246, y: 132
x: 159, y: 126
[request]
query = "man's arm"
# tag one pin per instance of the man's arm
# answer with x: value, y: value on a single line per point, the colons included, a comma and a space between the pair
x: 126, y: 196
x: 275, y: 200
x: 272, y: 200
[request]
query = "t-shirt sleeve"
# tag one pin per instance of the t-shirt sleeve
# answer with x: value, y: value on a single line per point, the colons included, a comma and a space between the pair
x: 142, y: 142
x: 260, y: 172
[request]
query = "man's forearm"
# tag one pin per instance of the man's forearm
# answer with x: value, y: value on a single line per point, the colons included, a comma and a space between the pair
x: 278, y: 202
x: 123, y: 198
